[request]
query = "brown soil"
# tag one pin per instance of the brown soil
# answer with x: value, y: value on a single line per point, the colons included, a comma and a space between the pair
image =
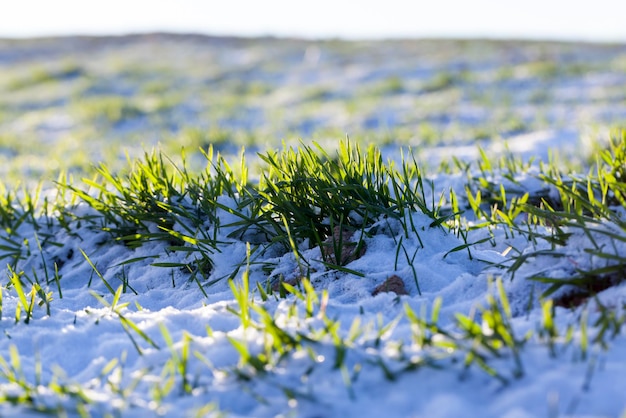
x: 392, y: 284
x: 340, y: 249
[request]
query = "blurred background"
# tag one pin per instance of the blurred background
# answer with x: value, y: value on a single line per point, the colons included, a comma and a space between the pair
x: 87, y: 82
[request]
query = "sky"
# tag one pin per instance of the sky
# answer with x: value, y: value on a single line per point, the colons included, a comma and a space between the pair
x: 598, y: 20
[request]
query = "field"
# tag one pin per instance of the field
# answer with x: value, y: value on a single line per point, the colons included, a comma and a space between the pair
x: 199, y: 226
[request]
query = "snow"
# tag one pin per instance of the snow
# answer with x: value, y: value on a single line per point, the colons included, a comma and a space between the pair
x: 537, y: 144
x: 81, y: 336
x: 83, y: 343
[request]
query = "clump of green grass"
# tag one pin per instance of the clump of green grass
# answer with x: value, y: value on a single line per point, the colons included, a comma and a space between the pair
x: 309, y: 189
x: 108, y: 109
x: 43, y: 75
x: 591, y: 206
x: 441, y: 81
x: 389, y: 86
x: 131, y: 204
x: 544, y: 69
x: 309, y: 195
x: 158, y: 200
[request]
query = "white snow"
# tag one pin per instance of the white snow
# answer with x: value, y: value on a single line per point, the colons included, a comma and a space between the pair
x: 81, y: 336
x: 538, y: 145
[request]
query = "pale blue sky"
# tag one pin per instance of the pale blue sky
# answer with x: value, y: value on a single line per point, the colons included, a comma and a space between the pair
x: 558, y: 19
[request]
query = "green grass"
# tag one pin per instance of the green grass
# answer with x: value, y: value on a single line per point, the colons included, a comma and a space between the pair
x: 441, y: 81
x: 43, y: 75
x: 119, y: 96
x: 300, y: 196
x: 292, y: 198
x: 303, y: 194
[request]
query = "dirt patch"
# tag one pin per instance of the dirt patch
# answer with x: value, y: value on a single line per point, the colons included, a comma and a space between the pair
x: 595, y: 285
x: 340, y: 248
x: 392, y: 284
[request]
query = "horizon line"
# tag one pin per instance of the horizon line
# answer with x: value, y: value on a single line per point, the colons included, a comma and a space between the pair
x: 320, y: 38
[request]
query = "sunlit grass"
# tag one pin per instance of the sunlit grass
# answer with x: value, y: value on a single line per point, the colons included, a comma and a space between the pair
x: 126, y: 95
x: 164, y: 210
x: 301, y: 195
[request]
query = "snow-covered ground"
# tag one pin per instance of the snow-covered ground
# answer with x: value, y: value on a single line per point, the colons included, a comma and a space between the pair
x: 127, y: 360
x: 82, y: 343
x: 67, y: 103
